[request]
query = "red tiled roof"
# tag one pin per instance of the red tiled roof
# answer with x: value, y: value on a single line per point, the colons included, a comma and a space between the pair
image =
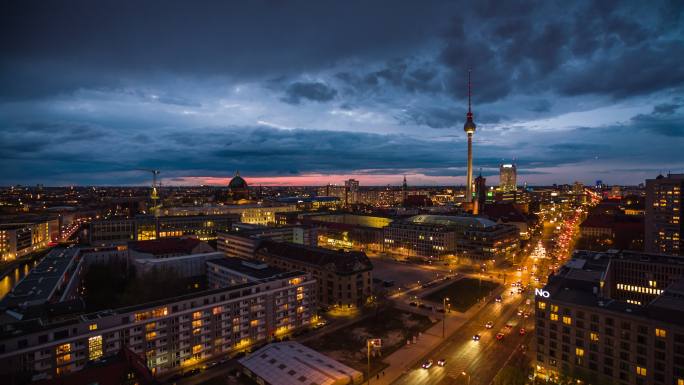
x: 165, y: 246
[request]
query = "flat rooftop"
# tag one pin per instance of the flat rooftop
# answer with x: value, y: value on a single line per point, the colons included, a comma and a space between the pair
x: 291, y: 363
x: 41, y: 282
x: 249, y: 267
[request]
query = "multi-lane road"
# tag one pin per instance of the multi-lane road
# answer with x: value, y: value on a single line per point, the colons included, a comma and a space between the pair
x: 477, y: 362
x: 480, y: 360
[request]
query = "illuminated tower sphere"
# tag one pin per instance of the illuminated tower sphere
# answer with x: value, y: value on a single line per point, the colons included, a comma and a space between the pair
x: 469, y: 128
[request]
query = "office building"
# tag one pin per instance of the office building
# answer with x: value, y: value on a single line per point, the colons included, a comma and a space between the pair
x: 20, y: 237
x: 468, y: 238
x: 613, y: 317
x: 351, y: 187
x: 142, y: 228
x: 507, y: 177
x: 256, y: 214
x: 348, y: 231
x: 244, y: 242
x: 664, y: 227
x: 343, y: 278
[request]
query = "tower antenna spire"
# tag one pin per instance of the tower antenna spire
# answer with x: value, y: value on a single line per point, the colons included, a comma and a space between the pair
x: 469, y: 92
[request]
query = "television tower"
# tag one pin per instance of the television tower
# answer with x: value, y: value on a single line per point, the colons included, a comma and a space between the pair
x: 469, y: 128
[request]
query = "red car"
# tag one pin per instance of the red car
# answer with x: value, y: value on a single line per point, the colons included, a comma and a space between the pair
x: 522, y: 332
x: 499, y: 336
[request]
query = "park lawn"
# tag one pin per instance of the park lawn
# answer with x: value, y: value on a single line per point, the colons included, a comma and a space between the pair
x: 349, y: 344
x: 463, y: 293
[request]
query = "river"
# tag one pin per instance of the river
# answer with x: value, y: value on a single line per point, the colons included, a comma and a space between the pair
x: 11, y: 279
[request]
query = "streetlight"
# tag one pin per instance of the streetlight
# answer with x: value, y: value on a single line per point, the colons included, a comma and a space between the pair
x: 444, y: 307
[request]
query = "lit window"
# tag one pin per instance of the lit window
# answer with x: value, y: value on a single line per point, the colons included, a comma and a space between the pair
x: 567, y: 320
x: 254, y: 322
x: 594, y: 337
x: 196, y: 349
x: 196, y: 315
x: 640, y: 371
x: 216, y: 310
x: 554, y: 308
x: 553, y: 317
x: 150, y: 335
x: 541, y: 305
x: 579, y: 352
x: 94, y: 347
x: 92, y: 327
x: 61, y: 349
x: 661, y: 333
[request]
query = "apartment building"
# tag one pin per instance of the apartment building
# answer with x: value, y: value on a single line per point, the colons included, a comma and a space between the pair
x: 171, y: 335
x: 344, y: 278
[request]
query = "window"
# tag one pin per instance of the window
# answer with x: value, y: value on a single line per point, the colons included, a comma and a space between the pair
x: 594, y: 337
x: 553, y: 317
x: 94, y: 347
x: 92, y: 327
x: 196, y: 315
x: 196, y: 349
x: 567, y: 320
x: 541, y: 305
x: 579, y: 352
x: 554, y: 308
x: 641, y: 371
x: 660, y: 333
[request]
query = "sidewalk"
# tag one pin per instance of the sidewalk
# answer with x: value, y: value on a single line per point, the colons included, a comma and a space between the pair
x: 402, y: 360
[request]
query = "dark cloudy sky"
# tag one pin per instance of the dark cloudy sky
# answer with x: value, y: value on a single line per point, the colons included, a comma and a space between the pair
x: 310, y: 92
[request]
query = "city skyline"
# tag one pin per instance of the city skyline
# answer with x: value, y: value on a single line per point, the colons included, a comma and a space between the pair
x: 311, y: 94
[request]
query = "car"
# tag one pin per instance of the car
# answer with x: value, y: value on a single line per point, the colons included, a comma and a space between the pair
x: 526, y: 315
x: 499, y: 336
x: 427, y: 364
x: 522, y: 331
x: 508, y: 326
x: 498, y: 299
x: 520, y: 312
x: 476, y: 337
x: 489, y: 325
x: 441, y: 362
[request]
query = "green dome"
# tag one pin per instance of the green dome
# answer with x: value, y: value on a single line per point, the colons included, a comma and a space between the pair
x: 237, y: 182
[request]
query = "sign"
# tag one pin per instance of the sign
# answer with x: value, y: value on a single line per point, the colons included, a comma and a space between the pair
x: 542, y: 293
x: 376, y: 342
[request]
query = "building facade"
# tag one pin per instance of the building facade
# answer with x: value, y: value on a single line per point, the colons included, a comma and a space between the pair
x: 613, y: 318
x: 142, y: 228
x: 344, y: 278
x: 664, y: 230
x: 472, y: 239
x: 171, y: 335
x: 508, y: 177
x: 21, y: 238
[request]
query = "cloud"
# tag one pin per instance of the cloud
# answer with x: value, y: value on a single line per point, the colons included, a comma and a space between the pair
x: 316, y: 91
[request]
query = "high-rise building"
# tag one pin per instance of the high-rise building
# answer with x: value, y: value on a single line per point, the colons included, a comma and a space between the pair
x: 507, y: 177
x: 481, y: 191
x: 351, y: 187
x: 469, y: 128
x: 663, y: 222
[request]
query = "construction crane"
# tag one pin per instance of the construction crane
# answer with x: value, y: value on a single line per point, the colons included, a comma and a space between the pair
x: 154, y: 194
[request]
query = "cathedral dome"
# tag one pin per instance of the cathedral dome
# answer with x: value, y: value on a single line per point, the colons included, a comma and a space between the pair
x: 237, y: 182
